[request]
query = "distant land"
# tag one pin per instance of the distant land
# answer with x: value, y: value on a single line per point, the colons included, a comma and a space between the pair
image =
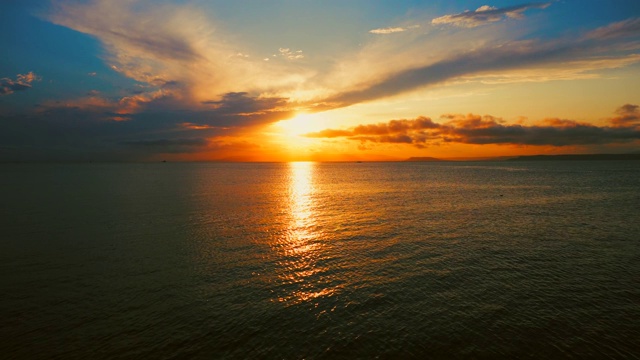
x: 577, y: 157
x: 432, y: 159
x: 565, y: 157
x: 424, y: 159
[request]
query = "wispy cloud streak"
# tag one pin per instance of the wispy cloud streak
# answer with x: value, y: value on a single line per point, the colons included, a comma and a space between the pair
x: 495, y: 58
x: 486, y: 14
x: 162, y: 43
x: 621, y: 29
x: 392, y: 30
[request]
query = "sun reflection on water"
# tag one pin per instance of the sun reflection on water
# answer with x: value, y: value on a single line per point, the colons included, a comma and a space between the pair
x: 302, y: 247
x: 300, y: 196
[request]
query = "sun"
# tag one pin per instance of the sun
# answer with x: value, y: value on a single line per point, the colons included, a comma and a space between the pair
x: 301, y: 124
x: 289, y: 135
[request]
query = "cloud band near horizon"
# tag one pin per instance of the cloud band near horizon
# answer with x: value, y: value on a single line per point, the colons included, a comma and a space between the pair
x: 487, y: 129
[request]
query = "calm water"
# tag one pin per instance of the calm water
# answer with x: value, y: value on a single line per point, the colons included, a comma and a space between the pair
x: 304, y: 260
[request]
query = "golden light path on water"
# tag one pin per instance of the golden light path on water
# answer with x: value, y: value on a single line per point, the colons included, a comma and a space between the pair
x: 300, y: 197
x: 303, y: 245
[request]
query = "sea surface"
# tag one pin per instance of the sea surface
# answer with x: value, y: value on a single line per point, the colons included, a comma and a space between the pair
x: 320, y: 260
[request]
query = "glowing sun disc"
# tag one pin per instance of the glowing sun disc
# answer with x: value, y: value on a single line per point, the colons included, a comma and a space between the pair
x: 301, y: 124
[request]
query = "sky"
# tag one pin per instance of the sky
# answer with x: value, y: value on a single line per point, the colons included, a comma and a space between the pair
x: 311, y: 80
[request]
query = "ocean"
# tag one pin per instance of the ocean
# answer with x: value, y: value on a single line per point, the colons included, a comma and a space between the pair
x: 320, y: 260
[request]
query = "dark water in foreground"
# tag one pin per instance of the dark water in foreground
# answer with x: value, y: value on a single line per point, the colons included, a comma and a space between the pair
x: 303, y: 260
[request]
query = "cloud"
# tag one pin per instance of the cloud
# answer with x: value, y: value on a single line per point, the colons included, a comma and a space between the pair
x: 476, y: 129
x: 569, y: 70
x: 22, y: 83
x: 622, y: 29
x: 505, y: 56
x: 389, y: 30
x: 573, y: 57
x: 242, y: 105
x: 628, y: 116
x: 197, y: 82
x: 155, y: 44
x: 83, y: 131
x: 159, y: 116
x: 486, y: 15
x: 28, y: 78
x: 146, y: 41
x: 194, y: 81
x: 127, y: 28
x: 119, y: 109
x: 100, y: 128
x: 290, y: 54
x: 170, y: 44
x: 91, y: 102
x: 192, y: 126
x: 8, y: 86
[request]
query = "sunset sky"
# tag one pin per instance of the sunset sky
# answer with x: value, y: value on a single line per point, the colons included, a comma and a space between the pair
x: 285, y: 80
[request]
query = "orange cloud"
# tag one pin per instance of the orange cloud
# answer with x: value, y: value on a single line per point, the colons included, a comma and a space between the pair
x: 628, y: 116
x: 22, y: 83
x: 476, y: 129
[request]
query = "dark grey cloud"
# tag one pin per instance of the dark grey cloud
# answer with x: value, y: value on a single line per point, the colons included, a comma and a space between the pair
x: 476, y: 129
x: 63, y: 131
x: 243, y: 103
x: 165, y: 84
x: 235, y: 110
x: 79, y: 134
x: 486, y: 15
x: 242, y: 109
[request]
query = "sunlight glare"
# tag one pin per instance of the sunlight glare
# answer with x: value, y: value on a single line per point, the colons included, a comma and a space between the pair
x: 301, y: 124
x: 300, y: 193
x: 304, y: 251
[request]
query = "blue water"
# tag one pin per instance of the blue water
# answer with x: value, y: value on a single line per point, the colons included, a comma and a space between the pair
x: 320, y: 260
